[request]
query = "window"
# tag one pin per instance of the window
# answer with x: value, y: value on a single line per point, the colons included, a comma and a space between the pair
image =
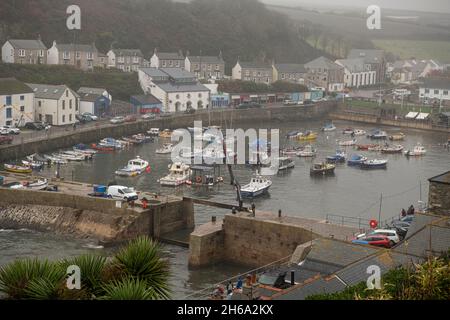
x: 39, y: 103
x: 64, y: 118
x: 70, y: 116
x: 121, y: 59
x: 199, y: 95
x: 177, y: 96
x: 21, y: 53
x: 90, y: 55
x: 78, y: 55
x: 76, y: 105
x: 67, y: 93
x: 178, y: 64
x: 64, y: 104
x: 22, y: 98
x: 136, y: 59
x: 189, y: 95
x: 22, y: 108
x: 8, y: 100
x: 436, y: 91
x: 163, y: 63
x: 70, y: 104
x: 8, y: 113
x: 41, y: 53
x: 445, y: 92
x: 66, y: 55
x: 427, y: 90
x: 170, y: 63
x: 217, y: 67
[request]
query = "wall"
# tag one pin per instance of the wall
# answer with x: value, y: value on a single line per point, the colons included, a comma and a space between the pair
x: 439, y: 198
x: 26, y: 116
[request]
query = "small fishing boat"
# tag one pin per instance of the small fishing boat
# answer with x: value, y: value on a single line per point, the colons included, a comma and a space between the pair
x: 365, y: 147
x: 347, y: 143
x: 179, y: 173
x: 374, y: 164
x: 329, y: 127
x: 322, y: 169
x: 102, y: 147
x: 134, y: 168
x: 85, y: 156
x: 292, y: 151
x: 154, y: 132
x: 166, y: 133
x: 340, y: 156
x: 82, y: 148
x: 165, y: 149
x: 392, y: 149
x: 359, y: 132
x: 397, y: 137
x: 284, y: 163
x: 348, y: 131
x: 356, y: 160
x: 17, y: 168
x: 417, y: 151
x: 307, y: 136
x: 292, y: 134
x: 37, y: 158
x: 55, y: 160
x: 377, y: 135
x: 143, y: 138
x: 69, y: 157
x: 308, y: 151
x: 33, y: 165
x: 110, y: 142
x: 257, y: 186
x: 40, y: 184
x: 375, y: 147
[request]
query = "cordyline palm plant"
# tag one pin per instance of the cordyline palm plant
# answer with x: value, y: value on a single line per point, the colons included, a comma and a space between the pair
x: 137, y: 271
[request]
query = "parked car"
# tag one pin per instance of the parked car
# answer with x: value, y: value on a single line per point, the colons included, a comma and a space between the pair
x: 90, y: 116
x: 374, y: 240
x: 82, y: 118
x: 34, y: 126
x: 149, y: 116
x: 122, y: 193
x: 117, y: 120
x: 130, y: 118
x: 6, y: 139
x: 190, y: 111
x: 401, y: 227
x: 391, y: 234
x: 10, y: 130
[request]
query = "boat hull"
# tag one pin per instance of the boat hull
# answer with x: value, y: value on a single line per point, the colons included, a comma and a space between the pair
x: 256, y: 193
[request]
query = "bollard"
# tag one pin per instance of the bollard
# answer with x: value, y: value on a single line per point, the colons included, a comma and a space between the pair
x: 292, y: 277
x: 279, y: 213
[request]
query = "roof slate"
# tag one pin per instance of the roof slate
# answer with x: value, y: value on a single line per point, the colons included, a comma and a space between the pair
x: 27, y: 44
x: 13, y: 86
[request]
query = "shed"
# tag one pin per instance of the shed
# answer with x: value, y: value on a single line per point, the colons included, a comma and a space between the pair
x: 146, y: 103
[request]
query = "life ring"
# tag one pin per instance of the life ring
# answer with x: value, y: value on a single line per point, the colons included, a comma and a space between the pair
x: 198, y: 179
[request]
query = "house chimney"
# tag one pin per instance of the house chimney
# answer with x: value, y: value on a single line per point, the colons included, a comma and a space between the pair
x: 180, y: 52
x: 220, y: 55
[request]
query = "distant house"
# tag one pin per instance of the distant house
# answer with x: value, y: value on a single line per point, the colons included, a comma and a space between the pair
x: 24, y: 52
x: 102, y: 61
x: 290, y: 72
x: 252, y: 71
x: 55, y: 105
x: 81, y: 56
x: 206, y: 67
x: 407, y: 71
x: 324, y: 73
x: 96, y: 101
x: 167, y: 59
x: 128, y: 60
x: 146, y: 103
x: 16, y: 103
x: 435, y: 89
x: 376, y: 58
x: 357, y: 73
x: 176, y: 88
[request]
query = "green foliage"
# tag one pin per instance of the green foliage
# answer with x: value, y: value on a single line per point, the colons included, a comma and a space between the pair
x: 129, y: 289
x: 140, y: 259
x: 31, y: 278
x: 119, y: 84
x: 238, y: 86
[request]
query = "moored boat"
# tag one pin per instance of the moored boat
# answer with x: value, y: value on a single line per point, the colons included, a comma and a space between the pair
x: 82, y: 148
x: 165, y: 149
x: 166, y: 133
x: 257, y: 186
x: 375, y: 147
x: 292, y: 134
x: 340, y: 156
x: 377, y: 134
x: 308, y: 151
x: 292, y: 151
x: 307, y: 136
x: 154, y: 132
x: 32, y: 164
x: 397, y: 137
x: 359, y: 132
x: 39, y: 184
x: 356, y: 160
x: 133, y: 168
x: 365, y: 147
x: 329, y: 127
x: 347, y: 143
x: 374, y: 164
x: 102, y: 147
x: 348, y: 131
x: 417, y: 151
x: 17, y: 169
x: 322, y: 169
x: 179, y: 173
x: 392, y: 149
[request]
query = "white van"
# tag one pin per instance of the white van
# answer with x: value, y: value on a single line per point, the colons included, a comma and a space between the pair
x: 122, y: 193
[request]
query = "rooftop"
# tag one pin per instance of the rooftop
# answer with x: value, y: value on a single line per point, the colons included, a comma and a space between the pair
x: 442, y: 178
x: 290, y: 67
x: 324, y: 63
x: 170, y: 55
x: 369, y: 55
x: 254, y: 65
x: 27, y: 44
x: 47, y: 91
x: 354, y: 65
x: 146, y: 99
x: 76, y: 47
x: 436, y: 83
x: 206, y: 59
x: 13, y: 86
x: 128, y: 52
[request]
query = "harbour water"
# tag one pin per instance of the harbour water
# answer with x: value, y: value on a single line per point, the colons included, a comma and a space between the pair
x: 350, y: 192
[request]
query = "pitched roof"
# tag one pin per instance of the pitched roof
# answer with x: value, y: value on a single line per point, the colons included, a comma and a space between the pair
x: 178, y: 73
x: 13, y: 86
x: 76, y: 47
x: 254, y: 65
x: 442, y: 178
x: 90, y: 94
x: 27, y: 44
x: 170, y: 55
x: 146, y: 99
x: 353, y: 65
x: 322, y: 62
x: 99, y: 91
x: 290, y: 68
x: 436, y: 83
x: 369, y: 55
x: 47, y: 91
x: 206, y: 59
x: 154, y: 72
x: 128, y: 52
x: 170, y: 87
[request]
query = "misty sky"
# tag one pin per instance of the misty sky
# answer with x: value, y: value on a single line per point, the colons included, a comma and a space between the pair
x: 415, y: 5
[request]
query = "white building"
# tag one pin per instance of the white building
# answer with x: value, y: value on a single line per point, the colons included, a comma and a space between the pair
x: 24, y: 51
x: 167, y: 59
x: 357, y: 73
x: 435, y: 89
x: 176, y: 88
x: 55, y: 105
x: 16, y: 103
x: 128, y: 60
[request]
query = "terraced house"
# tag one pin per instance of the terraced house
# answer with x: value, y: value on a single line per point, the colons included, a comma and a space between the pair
x: 16, y: 103
x: 290, y: 72
x: 81, y: 56
x: 167, y: 59
x: 252, y: 71
x: 55, y: 105
x: 206, y: 67
x: 24, y: 51
x: 128, y: 60
x: 324, y: 73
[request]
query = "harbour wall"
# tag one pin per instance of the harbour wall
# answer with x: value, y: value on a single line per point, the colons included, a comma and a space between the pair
x: 97, y: 218
x: 224, y: 117
x: 374, y: 119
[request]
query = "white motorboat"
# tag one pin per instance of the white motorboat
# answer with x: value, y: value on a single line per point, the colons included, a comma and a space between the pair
x: 359, y: 132
x: 69, y: 157
x: 179, y: 173
x: 284, y: 163
x: 347, y: 143
x: 308, y: 151
x: 165, y: 149
x: 55, y: 159
x: 40, y: 184
x: 257, y: 186
x: 154, y: 132
x: 133, y: 168
x: 374, y: 164
x: 418, y: 150
x: 329, y: 127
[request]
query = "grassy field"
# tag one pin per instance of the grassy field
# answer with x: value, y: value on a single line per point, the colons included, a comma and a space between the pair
x: 439, y: 50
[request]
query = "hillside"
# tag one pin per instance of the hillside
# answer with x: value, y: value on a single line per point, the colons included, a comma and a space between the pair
x: 244, y: 28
